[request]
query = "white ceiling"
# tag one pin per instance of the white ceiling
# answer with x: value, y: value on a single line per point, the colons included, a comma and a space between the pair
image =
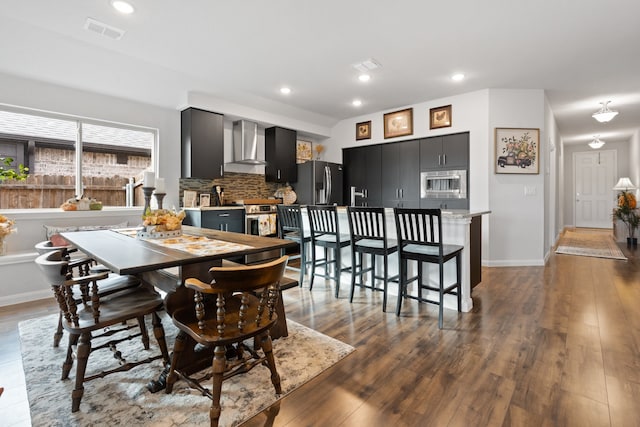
x: 580, y: 51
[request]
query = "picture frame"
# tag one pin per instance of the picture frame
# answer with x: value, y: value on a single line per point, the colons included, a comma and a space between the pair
x: 517, y: 151
x: 189, y: 199
x: 398, y: 123
x: 303, y: 151
x: 440, y: 117
x: 205, y: 200
x: 363, y: 130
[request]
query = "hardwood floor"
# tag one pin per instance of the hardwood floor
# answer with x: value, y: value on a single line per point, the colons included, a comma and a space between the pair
x: 544, y: 346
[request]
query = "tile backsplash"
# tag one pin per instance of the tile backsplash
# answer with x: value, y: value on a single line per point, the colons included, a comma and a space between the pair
x: 236, y: 186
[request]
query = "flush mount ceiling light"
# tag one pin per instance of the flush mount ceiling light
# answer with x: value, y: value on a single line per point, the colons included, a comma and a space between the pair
x: 367, y: 65
x: 605, y: 114
x: 596, y: 143
x: 356, y: 103
x: 457, y: 77
x: 123, y: 6
x: 364, y: 77
x: 285, y: 90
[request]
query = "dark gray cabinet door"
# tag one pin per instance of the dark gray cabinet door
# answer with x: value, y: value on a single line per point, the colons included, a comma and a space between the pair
x: 202, y: 137
x: 445, y: 152
x: 218, y: 219
x: 280, y: 155
x: 363, y: 170
x: 401, y: 174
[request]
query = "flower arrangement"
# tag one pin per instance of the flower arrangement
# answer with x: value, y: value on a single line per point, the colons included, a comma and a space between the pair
x: 626, y: 212
x: 163, y: 219
x: 6, y: 226
x: 319, y: 148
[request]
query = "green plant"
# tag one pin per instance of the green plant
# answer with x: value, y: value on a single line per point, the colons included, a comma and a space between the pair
x: 627, y: 213
x: 6, y: 172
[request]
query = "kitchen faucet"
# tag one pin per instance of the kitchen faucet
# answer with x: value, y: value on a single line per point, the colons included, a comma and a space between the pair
x: 354, y: 193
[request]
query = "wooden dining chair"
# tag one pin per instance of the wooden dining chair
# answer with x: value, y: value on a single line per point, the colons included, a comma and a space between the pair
x: 419, y: 233
x: 83, y: 317
x: 238, y: 304
x: 82, y: 265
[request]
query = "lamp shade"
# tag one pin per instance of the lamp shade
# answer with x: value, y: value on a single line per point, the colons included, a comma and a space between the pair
x: 604, y: 114
x: 624, y: 184
x: 596, y: 143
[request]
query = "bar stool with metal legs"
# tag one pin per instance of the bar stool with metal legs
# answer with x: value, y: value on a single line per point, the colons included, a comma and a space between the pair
x: 290, y: 227
x: 420, y: 239
x: 325, y: 232
x: 368, y: 230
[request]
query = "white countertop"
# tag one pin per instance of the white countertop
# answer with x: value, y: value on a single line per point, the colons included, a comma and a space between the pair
x: 446, y: 213
x: 213, y: 208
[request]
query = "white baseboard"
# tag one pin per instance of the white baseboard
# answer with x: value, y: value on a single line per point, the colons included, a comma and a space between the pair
x: 516, y: 263
x: 25, y: 297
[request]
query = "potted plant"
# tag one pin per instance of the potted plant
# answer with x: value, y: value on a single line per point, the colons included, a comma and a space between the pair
x: 7, y: 172
x: 627, y: 213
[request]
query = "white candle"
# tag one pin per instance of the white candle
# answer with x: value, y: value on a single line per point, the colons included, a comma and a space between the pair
x: 160, y: 185
x: 149, y: 179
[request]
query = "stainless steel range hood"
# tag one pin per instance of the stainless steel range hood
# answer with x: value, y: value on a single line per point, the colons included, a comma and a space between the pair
x: 245, y: 143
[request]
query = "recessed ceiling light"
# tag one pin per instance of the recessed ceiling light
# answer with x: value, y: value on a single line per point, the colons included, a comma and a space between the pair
x: 457, y: 77
x: 285, y: 90
x: 364, y: 77
x: 356, y: 103
x: 122, y: 6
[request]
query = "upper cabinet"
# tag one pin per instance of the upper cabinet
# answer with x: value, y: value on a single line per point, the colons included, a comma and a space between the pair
x: 363, y: 175
x: 445, y: 152
x: 280, y: 155
x: 202, y: 144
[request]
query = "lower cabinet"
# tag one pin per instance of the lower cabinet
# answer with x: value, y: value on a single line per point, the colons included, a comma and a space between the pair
x: 217, y: 219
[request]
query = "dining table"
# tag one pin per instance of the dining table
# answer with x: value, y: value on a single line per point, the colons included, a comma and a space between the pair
x: 165, y: 263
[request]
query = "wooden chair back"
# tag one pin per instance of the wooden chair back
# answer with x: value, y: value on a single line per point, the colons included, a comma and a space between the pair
x: 367, y: 223
x: 419, y: 227
x: 323, y: 220
x: 289, y: 219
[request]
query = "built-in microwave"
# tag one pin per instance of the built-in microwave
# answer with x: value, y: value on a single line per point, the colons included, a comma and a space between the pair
x: 447, y: 184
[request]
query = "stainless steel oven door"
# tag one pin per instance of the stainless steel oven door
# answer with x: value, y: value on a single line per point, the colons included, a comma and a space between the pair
x: 449, y: 184
x: 261, y: 225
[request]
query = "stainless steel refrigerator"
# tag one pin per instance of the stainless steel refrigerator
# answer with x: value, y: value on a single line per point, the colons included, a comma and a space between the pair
x: 319, y: 183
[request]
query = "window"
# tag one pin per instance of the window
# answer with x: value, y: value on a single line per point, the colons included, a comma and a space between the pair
x: 69, y: 156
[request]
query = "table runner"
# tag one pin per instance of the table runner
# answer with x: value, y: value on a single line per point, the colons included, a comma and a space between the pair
x: 196, y: 245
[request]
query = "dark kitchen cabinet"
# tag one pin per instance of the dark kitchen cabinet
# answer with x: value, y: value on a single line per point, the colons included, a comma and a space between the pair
x: 401, y: 174
x: 216, y: 219
x: 445, y: 152
x: 202, y: 144
x: 280, y: 155
x: 363, y: 171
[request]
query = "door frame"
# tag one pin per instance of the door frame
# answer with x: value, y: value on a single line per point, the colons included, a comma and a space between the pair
x: 573, y: 178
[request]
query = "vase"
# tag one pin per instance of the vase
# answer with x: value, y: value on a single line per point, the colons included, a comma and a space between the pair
x: 3, y: 246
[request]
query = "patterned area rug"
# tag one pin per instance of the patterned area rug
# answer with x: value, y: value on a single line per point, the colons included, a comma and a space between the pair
x: 589, y: 242
x: 122, y: 398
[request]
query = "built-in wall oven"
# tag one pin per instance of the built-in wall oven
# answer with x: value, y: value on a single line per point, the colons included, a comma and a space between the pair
x: 439, y: 187
x: 261, y: 220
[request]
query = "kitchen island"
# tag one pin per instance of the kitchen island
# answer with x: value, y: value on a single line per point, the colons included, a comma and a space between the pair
x: 460, y: 227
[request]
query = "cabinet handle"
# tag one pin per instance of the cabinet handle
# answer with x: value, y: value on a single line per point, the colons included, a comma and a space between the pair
x: 439, y: 159
x: 366, y: 193
x: 221, y: 170
x: 402, y: 193
x: 444, y: 159
x: 278, y: 173
x: 224, y: 214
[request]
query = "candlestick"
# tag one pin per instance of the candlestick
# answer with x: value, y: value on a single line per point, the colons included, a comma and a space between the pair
x: 147, y: 191
x: 149, y: 179
x: 160, y: 185
x: 159, y: 197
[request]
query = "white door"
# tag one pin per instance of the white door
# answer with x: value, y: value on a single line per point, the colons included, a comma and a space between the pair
x: 594, y: 181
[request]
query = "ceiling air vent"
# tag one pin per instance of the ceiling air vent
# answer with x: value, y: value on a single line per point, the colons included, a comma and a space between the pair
x: 103, y: 29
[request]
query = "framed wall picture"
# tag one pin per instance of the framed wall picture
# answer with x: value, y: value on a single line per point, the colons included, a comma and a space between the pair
x: 440, y: 117
x: 303, y: 151
x: 363, y: 130
x: 205, y: 200
x: 398, y: 123
x: 517, y: 150
x: 189, y: 199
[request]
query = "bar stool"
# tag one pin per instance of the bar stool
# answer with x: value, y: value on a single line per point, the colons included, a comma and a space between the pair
x: 325, y: 232
x: 290, y: 227
x: 368, y: 230
x: 420, y: 239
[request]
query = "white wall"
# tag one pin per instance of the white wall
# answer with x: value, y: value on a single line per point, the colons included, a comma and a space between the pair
x: 517, y: 221
x: 551, y: 184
